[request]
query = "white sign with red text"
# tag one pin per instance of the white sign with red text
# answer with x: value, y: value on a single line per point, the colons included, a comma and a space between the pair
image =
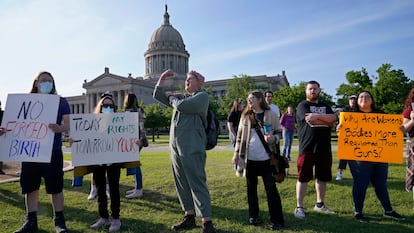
x: 28, y: 137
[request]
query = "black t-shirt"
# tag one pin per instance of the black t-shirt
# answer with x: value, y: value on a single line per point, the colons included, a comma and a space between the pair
x: 234, y: 117
x: 313, y: 139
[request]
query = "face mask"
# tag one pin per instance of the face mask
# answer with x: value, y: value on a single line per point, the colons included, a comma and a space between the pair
x: 107, y: 110
x: 46, y: 87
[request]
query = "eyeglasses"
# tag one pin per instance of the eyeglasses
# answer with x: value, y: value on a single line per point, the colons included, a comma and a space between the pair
x: 107, y: 105
x: 364, y: 97
x: 251, y: 98
x: 269, y: 96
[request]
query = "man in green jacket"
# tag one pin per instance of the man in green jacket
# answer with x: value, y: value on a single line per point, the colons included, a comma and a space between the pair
x: 187, y: 148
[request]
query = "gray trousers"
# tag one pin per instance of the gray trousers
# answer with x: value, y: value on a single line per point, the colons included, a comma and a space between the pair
x: 188, y: 158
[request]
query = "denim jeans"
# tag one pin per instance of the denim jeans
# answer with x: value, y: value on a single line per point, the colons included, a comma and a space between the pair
x: 287, y: 143
x: 364, y: 173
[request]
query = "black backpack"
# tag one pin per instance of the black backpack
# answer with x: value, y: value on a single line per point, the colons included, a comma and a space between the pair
x: 212, y: 130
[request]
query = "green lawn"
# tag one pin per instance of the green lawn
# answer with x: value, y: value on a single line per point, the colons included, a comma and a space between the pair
x: 159, y: 208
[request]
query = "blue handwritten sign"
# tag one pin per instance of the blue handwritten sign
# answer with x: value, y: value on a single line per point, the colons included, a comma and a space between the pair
x: 26, y: 119
x: 104, y: 138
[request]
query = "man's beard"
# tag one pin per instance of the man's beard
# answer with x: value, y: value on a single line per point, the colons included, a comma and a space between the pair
x: 313, y: 97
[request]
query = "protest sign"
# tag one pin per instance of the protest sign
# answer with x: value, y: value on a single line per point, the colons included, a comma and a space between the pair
x: 104, y: 138
x: 372, y: 137
x: 26, y: 119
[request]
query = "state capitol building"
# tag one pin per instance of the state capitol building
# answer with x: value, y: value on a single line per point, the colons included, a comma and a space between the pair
x: 166, y: 50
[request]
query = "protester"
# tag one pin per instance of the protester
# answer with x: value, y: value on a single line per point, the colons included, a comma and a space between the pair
x: 52, y: 173
x: 250, y: 149
x: 366, y: 172
x: 110, y: 172
x: 342, y: 163
x: 273, y: 107
x: 315, y: 120
x: 287, y: 122
x: 233, y: 119
x: 187, y: 147
x: 131, y: 105
x: 409, y: 129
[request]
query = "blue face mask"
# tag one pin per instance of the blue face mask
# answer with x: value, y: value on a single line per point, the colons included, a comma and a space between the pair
x: 46, y: 87
x: 107, y: 110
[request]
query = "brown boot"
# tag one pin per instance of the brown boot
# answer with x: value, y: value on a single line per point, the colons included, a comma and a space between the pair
x: 208, y: 227
x: 188, y: 222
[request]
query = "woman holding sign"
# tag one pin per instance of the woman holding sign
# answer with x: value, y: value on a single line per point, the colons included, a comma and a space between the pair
x: 111, y: 172
x: 365, y: 172
x: 52, y: 173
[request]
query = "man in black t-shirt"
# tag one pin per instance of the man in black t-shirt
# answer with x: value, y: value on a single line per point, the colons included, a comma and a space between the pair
x: 315, y: 120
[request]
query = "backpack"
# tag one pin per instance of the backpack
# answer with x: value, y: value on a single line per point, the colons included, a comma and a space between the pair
x: 212, y: 130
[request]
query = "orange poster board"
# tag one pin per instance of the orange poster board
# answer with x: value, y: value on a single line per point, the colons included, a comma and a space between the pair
x: 372, y: 137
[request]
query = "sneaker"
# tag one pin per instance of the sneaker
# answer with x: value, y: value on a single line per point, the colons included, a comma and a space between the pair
x: 188, y: 222
x: 60, y: 226
x: 323, y: 209
x: 102, y: 222
x: 92, y: 194
x: 29, y: 226
x: 115, y: 225
x: 254, y: 221
x: 130, y: 191
x: 338, y: 176
x: 394, y: 215
x: 136, y: 194
x: 208, y: 227
x: 360, y: 217
x: 299, y: 213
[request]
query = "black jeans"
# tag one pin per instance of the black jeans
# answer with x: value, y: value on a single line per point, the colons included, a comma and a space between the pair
x: 113, y: 173
x: 263, y: 169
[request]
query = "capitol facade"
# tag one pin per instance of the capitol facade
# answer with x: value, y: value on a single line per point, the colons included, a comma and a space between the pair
x: 166, y: 50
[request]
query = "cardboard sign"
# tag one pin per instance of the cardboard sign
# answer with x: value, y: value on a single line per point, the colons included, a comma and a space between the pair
x: 104, y: 138
x: 26, y: 119
x: 371, y: 137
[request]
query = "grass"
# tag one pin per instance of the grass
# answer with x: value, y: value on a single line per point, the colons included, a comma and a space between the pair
x: 159, y: 208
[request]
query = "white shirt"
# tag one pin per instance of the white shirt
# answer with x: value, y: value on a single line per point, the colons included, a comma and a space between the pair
x: 275, y: 109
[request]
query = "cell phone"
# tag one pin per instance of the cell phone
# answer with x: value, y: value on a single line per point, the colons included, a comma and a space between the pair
x: 412, y: 106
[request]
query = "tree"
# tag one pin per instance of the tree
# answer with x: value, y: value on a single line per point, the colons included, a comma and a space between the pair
x: 157, y: 117
x: 389, y: 90
x: 357, y: 81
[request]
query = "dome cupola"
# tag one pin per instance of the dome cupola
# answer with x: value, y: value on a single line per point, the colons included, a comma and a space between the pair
x: 166, y: 50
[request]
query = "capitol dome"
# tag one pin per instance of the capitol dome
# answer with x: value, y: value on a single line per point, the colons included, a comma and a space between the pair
x: 166, y: 50
x: 166, y: 36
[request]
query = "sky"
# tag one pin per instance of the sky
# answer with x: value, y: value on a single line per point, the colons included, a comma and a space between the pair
x: 310, y: 40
